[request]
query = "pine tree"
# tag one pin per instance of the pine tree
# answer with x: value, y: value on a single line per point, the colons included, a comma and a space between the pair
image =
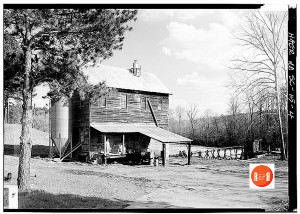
x: 55, y: 44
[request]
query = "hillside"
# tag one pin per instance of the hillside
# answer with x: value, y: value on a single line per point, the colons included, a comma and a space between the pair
x: 12, y: 133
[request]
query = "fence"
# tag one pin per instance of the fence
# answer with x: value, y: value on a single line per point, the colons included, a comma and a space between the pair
x: 228, y: 153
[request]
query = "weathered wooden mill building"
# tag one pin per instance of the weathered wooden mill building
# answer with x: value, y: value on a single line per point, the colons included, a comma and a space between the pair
x: 132, y: 119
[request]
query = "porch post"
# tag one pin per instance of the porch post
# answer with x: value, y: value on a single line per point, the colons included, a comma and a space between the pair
x: 164, y: 154
x: 105, y: 159
x: 189, y: 154
x: 71, y: 146
x: 50, y: 147
x: 123, y: 144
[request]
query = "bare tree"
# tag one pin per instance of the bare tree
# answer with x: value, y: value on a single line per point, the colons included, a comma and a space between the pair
x: 207, y: 119
x: 262, y: 66
x: 179, y: 111
x: 192, y: 115
x: 233, y: 110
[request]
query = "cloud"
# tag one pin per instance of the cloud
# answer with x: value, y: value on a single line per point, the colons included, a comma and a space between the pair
x: 192, y: 78
x: 208, y: 44
x: 166, y: 51
x: 201, y: 83
x: 202, y: 46
x: 178, y: 14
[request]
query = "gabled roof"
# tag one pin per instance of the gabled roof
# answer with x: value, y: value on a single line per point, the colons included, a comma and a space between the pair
x: 154, y: 132
x: 121, y: 78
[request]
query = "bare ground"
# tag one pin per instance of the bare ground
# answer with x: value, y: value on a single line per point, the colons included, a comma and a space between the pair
x: 207, y: 183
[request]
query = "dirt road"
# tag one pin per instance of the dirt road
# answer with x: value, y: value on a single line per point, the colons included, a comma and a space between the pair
x: 205, y: 184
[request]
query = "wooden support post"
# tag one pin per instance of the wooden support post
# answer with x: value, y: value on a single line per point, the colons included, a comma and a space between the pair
x: 123, y: 145
x: 164, y: 154
x: 50, y: 147
x: 243, y: 154
x: 71, y: 146
x: 189, y: 154
x: 59, y: 146
x: 105, y: 158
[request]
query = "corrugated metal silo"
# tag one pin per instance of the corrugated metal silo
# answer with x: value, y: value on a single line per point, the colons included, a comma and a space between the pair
x: 61, y: 124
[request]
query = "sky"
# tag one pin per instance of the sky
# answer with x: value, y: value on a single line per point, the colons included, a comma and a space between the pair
x: 188, y: 50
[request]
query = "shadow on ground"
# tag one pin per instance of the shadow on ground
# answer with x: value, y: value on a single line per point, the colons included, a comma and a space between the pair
x: 39, y: 199
x: 37, y: 150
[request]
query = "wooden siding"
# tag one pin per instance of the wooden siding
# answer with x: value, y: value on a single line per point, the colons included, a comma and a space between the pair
x: 135, y: 111
x: 85, y: 113
x: 81, y: 123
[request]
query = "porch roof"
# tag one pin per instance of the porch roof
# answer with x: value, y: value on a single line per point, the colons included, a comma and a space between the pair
x: 154, y: 132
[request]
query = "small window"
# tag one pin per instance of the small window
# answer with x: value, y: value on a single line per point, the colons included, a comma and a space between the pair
x: 123, y: 101
x: 146, y: 103
x: 102, y: 102
x: 159, y: 106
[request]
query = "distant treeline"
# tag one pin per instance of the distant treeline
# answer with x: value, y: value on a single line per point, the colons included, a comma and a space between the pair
x: 13, y: 115
x: 237, y: 129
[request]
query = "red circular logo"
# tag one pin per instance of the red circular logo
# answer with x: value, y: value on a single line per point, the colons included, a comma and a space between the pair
x: 262, y: 176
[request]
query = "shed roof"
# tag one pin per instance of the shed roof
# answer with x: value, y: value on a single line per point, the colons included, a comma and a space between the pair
x: 154, y: 132
x: 121, y: 78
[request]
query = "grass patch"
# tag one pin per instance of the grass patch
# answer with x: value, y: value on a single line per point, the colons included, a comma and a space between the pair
x: 39, y: 199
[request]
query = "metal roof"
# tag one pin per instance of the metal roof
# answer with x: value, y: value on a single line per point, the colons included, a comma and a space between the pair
x: 154, y: 132
x: 121, y: 78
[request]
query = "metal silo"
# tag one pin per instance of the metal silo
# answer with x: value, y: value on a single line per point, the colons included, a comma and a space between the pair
x: 61, y: 124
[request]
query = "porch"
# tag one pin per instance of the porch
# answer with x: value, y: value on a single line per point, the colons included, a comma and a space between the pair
x: 124, y: 140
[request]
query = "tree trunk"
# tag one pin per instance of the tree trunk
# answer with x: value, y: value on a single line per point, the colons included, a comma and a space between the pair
x: 26, y: 121
x: 5, y: 112
x: 283, y: 152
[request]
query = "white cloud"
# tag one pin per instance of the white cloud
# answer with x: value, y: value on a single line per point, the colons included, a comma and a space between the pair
x: 192, y: 78
x: 202, y: 83
x: 178, y: 14
x: 230, y: 19
x: 210, y: 46
x: 166, y: 51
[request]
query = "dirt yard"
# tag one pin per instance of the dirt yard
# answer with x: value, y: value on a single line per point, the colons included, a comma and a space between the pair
x: 206, y: 183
